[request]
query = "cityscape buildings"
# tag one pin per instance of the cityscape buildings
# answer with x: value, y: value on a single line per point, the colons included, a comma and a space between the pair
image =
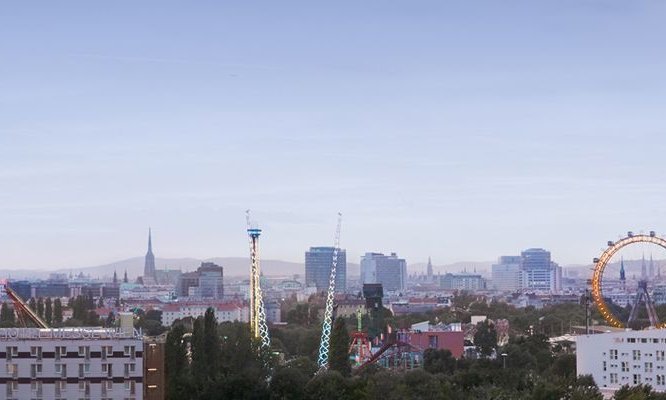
x: 463, y: 281
x: 507, y: 274
x: 533, y: 270
x: 318, y: 261
x: 206, y: 282
x: 390, y: 271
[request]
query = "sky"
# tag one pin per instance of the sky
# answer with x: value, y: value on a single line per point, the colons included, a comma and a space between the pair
x: 460, y: 130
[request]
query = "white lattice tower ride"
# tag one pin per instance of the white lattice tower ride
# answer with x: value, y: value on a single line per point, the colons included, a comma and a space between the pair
x: 328, y: 314
x: 257, y: 311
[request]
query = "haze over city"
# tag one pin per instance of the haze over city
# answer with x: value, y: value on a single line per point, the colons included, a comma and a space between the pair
x: 461, y: 131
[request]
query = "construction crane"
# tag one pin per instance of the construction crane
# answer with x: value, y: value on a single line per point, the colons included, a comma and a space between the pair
x: 257, y: 311
x: 328, y: 314
x: 23, y: 312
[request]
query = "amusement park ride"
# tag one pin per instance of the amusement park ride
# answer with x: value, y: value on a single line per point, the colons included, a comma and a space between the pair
x: 642, y: 294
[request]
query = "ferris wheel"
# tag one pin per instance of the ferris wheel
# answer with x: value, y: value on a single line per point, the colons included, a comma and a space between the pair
x: 642, y: 292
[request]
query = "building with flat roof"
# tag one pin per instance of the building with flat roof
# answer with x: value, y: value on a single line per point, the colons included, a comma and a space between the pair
x: 318, y: 262
x: 507, y: 274
x: 67, y: 363
x: 622, y: 358
x: 390, y: 271
x: 462, y: 281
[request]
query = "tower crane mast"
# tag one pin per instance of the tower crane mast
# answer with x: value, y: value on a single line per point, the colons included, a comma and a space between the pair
x: 328, y: 314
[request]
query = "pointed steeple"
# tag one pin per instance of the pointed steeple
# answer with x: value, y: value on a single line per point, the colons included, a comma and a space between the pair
x: 125, y: 280
x: 150, y: 241
x: 115, y: 277
x: 429, y: 269
x: 622, y: 273
x: 149, y: 266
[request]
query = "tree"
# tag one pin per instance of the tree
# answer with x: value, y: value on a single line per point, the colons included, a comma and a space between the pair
x: 288, y: 383
x: 40, y: 307
x: 439, y: 361
x: 338, y: 354
x: 211, y: 343
x: 7, y: 317
x: 485, y: 338
x: 48, y: 311
x: 175, y: 363
x: 57, y: 312
x: 639, y: 392
x: 198, y: 352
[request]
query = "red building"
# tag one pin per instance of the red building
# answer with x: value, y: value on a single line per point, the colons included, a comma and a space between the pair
x: 440, y: 340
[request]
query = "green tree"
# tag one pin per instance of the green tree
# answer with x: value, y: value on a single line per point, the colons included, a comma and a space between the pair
x: 439, y: 361
x: 198, y: 352
x: 211, y: 344
x: 48, y: 311
x: 338, y: 354
x: 485, y: 338
x: 57, y: 312
x: 7, y: 317
x: 175, y: 363
x: 40, y: 307
x: 639, y: 392
x: 288, y: 384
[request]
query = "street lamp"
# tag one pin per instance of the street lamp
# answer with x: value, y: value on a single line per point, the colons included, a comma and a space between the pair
x: 504, y: 360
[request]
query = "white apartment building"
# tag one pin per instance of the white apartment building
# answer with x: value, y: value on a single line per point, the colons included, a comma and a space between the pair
x: 223, y: 311
x: 71, y: 363
x: 623, y: 358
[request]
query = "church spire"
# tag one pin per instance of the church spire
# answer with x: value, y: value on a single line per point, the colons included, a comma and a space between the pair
x: 429, y: 269
x: 115, y: 277
x: 149, y: 266
x: 622, y: 273
x: 125, y: 280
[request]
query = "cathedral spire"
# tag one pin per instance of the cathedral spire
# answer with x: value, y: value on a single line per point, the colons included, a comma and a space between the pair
x: 149, y: 266
x: 429, y: 269
x: 622, y: 273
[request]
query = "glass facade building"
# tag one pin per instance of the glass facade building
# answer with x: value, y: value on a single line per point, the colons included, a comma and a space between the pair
x: 318, y: 261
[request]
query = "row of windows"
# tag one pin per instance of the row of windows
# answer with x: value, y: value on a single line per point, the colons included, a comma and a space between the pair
x: 625, y: 366
x: 660, y: 355
x: 60, y: 351
x: 637, y: 379
x: 61, y: 387
x: 61, y: 369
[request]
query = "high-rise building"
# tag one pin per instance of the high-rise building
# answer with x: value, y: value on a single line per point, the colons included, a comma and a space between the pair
x: 206, y: 282
x: 507, y: 274
x: 539, y: 272
x: 149, y: 266
x: 390, y: 271
x: 211, y: 281
x: 318, y: 261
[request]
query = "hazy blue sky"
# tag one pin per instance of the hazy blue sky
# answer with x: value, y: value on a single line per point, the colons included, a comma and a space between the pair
x: 462, y: 130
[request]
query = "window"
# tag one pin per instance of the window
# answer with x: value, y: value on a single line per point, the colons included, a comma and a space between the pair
x: 643, y: 340
x: 637, y: 355
x: 648, y: 367
x: 625, y: 366
x: 613, y: 378
x: 83, y: 369
x: 631, y: 340
x: 604, y: 365
x: 130, y: 351
x: 36, y: 351
x: 637, y: 379
x: 130, y: 387
x: 36, y: 388
x: 12, y: 351
x: 613, y: 354
x: 60, y: 387
x: 84, y: 351
x: 12, y: 370
x: 61, y: 370
x: 84, y: 387
x: 660, y: 355
x: 107, y: 351
x: 60, y: 351
x: 35, y: 369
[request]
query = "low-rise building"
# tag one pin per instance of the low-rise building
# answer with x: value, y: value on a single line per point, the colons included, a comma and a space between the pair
x: 223, y: 311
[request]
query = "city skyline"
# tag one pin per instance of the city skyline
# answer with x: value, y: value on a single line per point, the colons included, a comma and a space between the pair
x: 453, y: 130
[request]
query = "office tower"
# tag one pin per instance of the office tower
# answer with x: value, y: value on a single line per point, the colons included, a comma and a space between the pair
x: 507, y: 274
x: 206, y: 282
x: 539, y: 272
x: 318, y: 261
x: 464, y: 281
x: 390, y: 271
